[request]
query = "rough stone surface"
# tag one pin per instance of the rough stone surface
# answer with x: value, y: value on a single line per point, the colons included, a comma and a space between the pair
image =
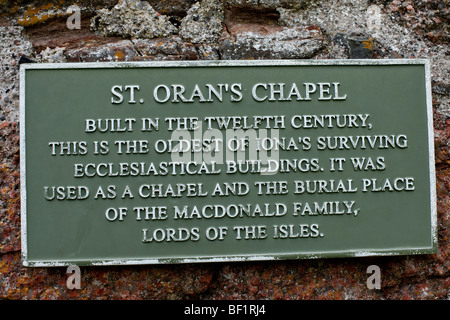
x: 173, y: 8
x: 9, y: 187
x: 172, y: 48
x: 203, y: 22
x: 132, y: 18
x: 427, y: 18
x: 34, y: 12
x: 266, y: 4
x: 117, y: 51
x: 346, y: 23
x: 13, y: 46
x: 51, y: 55
x: 35, y: 31
x: 257, y: 42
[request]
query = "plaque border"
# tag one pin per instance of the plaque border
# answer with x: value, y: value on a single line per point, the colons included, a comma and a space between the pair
x: 432, y: 249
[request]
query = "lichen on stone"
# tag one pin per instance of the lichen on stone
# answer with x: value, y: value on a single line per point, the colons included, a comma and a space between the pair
x: 132, y: 18
x: 52, y: 55
x: 203, y: 22
x: 39, y: 14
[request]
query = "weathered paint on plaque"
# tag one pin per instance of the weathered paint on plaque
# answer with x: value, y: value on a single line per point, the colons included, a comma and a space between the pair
x: 141, y: 163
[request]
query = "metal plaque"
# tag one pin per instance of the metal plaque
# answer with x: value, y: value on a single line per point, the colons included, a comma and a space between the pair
x: 176, y: 162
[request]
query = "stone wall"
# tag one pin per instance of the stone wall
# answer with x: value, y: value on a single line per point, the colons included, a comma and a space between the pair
x: 131, y: 30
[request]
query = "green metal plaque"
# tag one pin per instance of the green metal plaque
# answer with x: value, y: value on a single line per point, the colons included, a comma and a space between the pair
x: 174, y: 162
